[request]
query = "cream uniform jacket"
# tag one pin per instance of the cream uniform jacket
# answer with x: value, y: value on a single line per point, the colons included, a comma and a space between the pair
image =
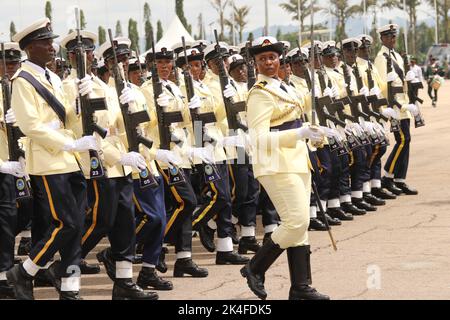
x: 113, y: 146
x: 139, y: 105
x: 178, y: 129
x: 337, y: 77
x: 278, y: 151
x: 381, y: 65
x: 209, y: 104
x: 45, y: 155
x: 4, y: 155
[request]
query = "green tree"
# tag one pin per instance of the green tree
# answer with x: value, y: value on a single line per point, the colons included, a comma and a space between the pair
x: 201, y: 28
x: 159, y: 30
x: 119, y: 29
x: 148, y: 26
x: 133, y: 34
x: 12, y: 30
x: 219, y: 6
x: 82, y: 20
x: 180, y: 13
x: 443, y: 8
x: 291, y: 7
x: 279, y: 34
x: 101, y: 35
x: 48, y: 10
x: 342, y: 11
x: 239, y: 17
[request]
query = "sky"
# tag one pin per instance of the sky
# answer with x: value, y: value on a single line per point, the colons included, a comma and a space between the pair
x: 107, y: 12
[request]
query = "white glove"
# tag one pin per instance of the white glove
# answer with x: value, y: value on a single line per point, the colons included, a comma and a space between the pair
x: 390, y: 113
x: 85, y: 85
x: 127, y: 95
x: 330, y: 133
x: 392, y: 76
x: 10, y: 117
x: 229, y: 91
x: 328, y: 92
x: 133, y: 159
x: 205, y: 154
x: 233, y: 141
x: 14, y: 168
x: 168, y: 157
x: 364, y: 91
x: 411, y: 108
x: 353, y: 87
x: 195, y: 102
x: 163, y: 100
x: 53, y: 125
x: 83, y: 144
x: 314, y: 134
x: 375, y: 91
x: 410, y: 75
x: 335, y: 91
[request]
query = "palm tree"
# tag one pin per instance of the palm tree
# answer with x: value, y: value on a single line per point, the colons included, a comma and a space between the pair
x: 443, y: 7
x: 343, y: 11
x: 238, y: 17
x: 305, y: 10
x: 219, y: 6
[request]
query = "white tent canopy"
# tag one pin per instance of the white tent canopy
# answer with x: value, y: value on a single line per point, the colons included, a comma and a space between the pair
x: 172, y: 35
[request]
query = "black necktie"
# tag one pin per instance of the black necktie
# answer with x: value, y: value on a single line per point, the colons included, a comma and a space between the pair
x: 283, y: 87
x: 169, y: 88
x: 232, y: 83
x: 47, y: 75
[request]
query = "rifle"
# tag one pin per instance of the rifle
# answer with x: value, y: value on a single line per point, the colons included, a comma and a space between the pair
x: 391, y: 92
x: 376, y: 103
x: 88, y: 106
x: 286, y: 76
x: 141, y: 72
x: 165, y: 119
x: 131, y: 120
x: 251, y: 77
x: 413, y: 89
x: 198, y: 119
x: 13, y: 134
x: 232, y: 108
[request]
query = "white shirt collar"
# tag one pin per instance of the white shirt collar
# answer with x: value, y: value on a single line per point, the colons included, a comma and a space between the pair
x: 36, y: 67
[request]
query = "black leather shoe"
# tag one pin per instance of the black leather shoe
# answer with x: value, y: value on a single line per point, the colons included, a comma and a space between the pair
x: 234, y: 236
x: 316, y: 224
x: 24, y: 246
x: 87, y: 268
x: 21, y: 281
x: 361, y: 204
x: 248, y: 244
x: 351, y: 208
x: 266, y: 237
x: 41, y: 280
x: 126, y: 289
x: 339, y: 214
x: 187, y: 266
x: 230, y: 257
x: 6, y: 291
x: 389, y: 184
x: 17, y: 260
x: 104, y: 257
x: 149, y: 278
x: 373, y: 200
x: 53, y: 275
x: 383, y: 194
x: 162, y: 266
x: 70, y: 295
x: 406, y: 189
x: 332, y: 221
x: 207, y: 237
x: 305, y: 292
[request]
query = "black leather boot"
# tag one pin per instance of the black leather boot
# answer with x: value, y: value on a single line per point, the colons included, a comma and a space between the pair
x: 316, y: 224
x: 248, y: 244
x: 149, y: 278
x: 300, y: 273
x: 6, y: 291
x: 351, y: 208
x: 105, y: 257
x: 389, y: 184
x: 339, y: 214
x: 126, y: 289
x: 406, y: 189
x: 383, y: 194
x: 230, y: 257
x: 162, y: 266
x: 187, y: 266
x: 373, y: 200
x: 70, y: 295
x: 24, y: 246
x: 87, y: 268
x: 207, y: 237
x: 361, y: 204
x: 256, y: 268
x: 21, y: 281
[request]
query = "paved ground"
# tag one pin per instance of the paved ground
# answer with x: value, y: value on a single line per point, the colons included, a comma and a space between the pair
x: 399, y: 252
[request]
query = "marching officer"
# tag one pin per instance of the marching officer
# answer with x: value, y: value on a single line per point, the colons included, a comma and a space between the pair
x: 42, y: 113
x: 280, y: 164
x: 110, y: 195
x: 396, y: 166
